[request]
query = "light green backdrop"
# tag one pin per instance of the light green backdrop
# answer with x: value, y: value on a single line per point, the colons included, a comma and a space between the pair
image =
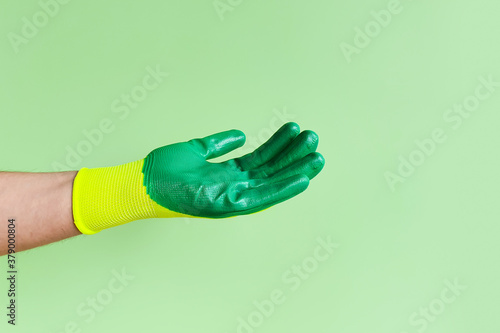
x: 254, y: 67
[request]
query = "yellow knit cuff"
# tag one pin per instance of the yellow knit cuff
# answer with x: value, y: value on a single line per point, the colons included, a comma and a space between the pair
x: 111, y: 196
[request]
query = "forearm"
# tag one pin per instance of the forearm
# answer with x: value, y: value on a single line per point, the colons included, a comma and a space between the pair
x: 175, y: 180
x: 41, y: 204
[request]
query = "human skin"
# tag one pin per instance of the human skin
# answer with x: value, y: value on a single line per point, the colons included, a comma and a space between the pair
x: 41, y: 205
x: 47, y: 207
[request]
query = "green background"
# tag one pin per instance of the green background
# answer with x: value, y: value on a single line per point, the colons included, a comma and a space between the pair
x: 262, y: 59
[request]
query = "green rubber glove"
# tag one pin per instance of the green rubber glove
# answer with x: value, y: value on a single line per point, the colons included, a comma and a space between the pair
x: 178, y: 180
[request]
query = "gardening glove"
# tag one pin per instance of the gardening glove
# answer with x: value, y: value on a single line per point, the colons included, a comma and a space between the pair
x: 177, y: 180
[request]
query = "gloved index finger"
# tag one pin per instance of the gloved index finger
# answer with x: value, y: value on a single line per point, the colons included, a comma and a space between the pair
x: 279, y: 141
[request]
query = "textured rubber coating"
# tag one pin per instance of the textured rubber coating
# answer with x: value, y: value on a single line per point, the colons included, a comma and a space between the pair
x: 179, y: 177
